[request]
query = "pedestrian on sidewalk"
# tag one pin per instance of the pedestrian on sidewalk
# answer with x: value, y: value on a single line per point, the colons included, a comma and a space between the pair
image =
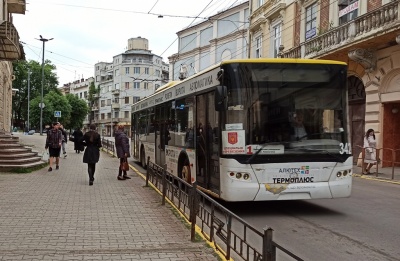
x: 77, y: 137
x: 122, y: 148
x: 370, y: 151
x: 92, y: 141
x: 53, y: 143
x: 64, y: 141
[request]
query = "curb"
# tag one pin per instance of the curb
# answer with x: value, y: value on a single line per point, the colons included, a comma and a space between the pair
x: 376, y: 179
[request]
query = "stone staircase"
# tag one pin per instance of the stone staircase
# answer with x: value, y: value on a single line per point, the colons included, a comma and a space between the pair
x: 16, y: 156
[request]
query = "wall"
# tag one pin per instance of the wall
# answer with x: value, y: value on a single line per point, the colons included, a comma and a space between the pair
x: 5, y: 96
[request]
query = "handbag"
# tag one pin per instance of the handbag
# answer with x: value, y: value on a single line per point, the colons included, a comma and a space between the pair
x: 71, y: 138
x: 125, y: 165
x: 45, y: 156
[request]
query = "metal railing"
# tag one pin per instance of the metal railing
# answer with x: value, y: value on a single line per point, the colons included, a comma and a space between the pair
x: 108, y: 145
x: 231, y: 235
x: 391, y: 162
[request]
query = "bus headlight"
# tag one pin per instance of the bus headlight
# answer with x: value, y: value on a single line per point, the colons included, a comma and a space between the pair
x: 239, y: 176
x: 339, y: 174
x: 345, y: 173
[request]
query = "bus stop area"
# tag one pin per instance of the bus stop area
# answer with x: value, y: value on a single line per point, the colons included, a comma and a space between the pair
x: 58, y: 216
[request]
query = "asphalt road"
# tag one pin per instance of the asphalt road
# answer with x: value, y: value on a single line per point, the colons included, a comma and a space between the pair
x: 362, y: 227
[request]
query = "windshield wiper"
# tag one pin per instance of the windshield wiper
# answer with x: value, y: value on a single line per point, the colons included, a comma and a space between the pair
x: 257, y: 152
x: 317, y: 150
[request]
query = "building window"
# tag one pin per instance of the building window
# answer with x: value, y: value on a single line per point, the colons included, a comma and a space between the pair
x: 109, y: 115
x: 157, y: 73
x: 127, y: 70
x: 136, y: 70
x: 260, y: 3
x: 102, y: 116
x: 135, y: 99
x: 126, y: 85
x: 126, y: 100
x: 85, y: 94
x: 258, y: 47
x: 116, y: 114
x: 108, y: 102
x: 103, y: 103
x: 126, y: 114
x: 277, y: 39
x: 146, y: 70
x: 136, y: 85
x: 348, y: 10
x: 156, y: 86
x: 146, y: 85
x: 311, y: 21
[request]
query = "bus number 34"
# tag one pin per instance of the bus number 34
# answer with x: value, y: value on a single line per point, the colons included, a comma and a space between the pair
x: 345, y: 148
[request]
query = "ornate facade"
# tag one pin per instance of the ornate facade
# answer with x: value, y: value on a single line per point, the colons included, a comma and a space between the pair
x: 10, y: 50
x: 364, y: 34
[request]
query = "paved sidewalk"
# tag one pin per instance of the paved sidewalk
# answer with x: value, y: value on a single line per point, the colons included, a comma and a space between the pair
x: 57, y: 216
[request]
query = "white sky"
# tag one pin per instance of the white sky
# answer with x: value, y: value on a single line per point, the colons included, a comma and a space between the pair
x: 89, y: 31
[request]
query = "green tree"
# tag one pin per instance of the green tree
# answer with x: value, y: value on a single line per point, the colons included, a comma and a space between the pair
x: 20, y: 101
x: 54, y: 101
x: 78, y: 114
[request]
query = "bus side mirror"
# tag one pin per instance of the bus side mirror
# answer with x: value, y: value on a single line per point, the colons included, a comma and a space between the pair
x: 221, y: 100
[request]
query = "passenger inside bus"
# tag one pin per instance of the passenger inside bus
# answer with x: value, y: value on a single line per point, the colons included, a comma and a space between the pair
x: 299, y: 131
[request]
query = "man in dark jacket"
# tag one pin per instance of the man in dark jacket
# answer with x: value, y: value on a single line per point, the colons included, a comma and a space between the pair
x: 122, y: 148
x: 53, y: 143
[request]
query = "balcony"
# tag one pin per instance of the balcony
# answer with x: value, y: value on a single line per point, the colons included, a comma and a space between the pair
x: 115, y: 106
x: 370, y: 30
x: 10, y: 48
x: 16, y: 6
x: 95, y: 108
x: 115, y: 91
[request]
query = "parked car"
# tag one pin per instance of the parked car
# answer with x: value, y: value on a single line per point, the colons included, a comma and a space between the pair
x: 31, y: 132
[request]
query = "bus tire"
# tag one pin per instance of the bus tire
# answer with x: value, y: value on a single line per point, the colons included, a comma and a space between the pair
x: 184, y: 171
x: 143, y: 159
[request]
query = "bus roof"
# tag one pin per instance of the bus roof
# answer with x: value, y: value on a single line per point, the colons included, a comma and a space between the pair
x: 282, y: 60
x: 171, y: 84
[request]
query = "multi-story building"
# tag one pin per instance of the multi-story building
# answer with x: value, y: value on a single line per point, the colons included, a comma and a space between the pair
x: 363, y: 33
x: 131, y: 75
x: 10, y: 50
x: 223, y: 36
x: 80, y: 88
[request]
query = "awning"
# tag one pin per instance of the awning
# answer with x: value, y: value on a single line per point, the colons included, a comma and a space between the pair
x: 10, y: 47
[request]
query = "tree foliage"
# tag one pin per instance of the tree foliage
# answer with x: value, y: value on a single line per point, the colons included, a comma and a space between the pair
x: 78, y: 114
x: 20, y: 100
x: 53, y: 101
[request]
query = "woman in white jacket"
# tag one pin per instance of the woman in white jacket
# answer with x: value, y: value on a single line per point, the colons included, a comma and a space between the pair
x: 370, y: 151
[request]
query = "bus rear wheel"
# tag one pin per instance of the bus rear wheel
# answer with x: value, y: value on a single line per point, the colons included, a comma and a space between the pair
x: 143, y: 159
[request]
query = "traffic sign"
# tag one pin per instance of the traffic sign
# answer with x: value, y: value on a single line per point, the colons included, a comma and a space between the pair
x: 57, y: 114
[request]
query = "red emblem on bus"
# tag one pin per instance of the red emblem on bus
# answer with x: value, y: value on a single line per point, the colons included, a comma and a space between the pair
x: 232, y: 137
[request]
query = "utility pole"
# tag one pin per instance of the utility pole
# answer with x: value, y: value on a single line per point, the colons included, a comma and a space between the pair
x: 43, y: 40
x: 29, y: 96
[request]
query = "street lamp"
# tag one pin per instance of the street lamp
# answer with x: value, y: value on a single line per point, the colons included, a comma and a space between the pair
x: 29, y: 98
x: 44, y: 40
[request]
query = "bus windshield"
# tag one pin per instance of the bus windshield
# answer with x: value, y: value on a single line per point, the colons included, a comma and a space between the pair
x: 285, y: 108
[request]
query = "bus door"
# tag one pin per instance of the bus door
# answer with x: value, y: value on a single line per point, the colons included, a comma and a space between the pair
x: 207, y: 149
x: 160, y: 135
x: 135, y: 136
